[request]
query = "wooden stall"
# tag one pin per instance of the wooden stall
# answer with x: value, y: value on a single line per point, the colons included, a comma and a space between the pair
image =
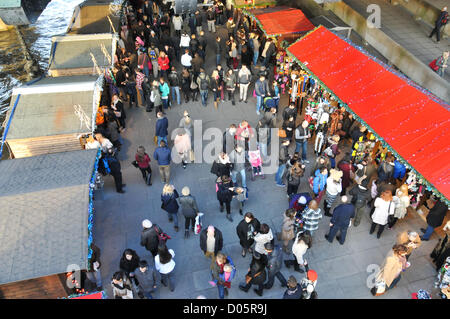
x: 82, y: 54
x: 52, y: 115
x: 95, y: 16
x: 46, y: 209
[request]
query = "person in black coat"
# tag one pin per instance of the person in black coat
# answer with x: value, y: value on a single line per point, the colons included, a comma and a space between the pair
x: 256, y: 275
x: 360, y: 196
x: 129, y: 263
x: 225, y: 194
x: 115, y: 170
x: 149, y: 237
x: 274, y: 259
x: 341, y: 220
x: 294, y: 290
x: 434, y: 219
x: 440, y: 21
x: 93, y: 272
x: 222, y: 166
x: 169, y: 203
x: 211, y: 252
x: 246, y: 231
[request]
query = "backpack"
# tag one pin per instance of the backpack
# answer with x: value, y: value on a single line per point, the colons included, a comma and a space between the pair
x: 268, y: 103
x: 203, y: 84
x: 152, y: 54
x: 445, y: 19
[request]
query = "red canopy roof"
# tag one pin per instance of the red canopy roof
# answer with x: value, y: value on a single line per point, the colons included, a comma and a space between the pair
x: 95, y: 295
x: 415, y: 125
x: 281, y: 22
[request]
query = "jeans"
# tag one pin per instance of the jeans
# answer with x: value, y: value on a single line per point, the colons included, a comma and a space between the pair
x: 168, y: 277
x: 217, y: 59
x: 204, y: 95
x: 176, y: 91
x: 95, y: 276
x: 428, y: 232
x: 234, y: 175
x: 165, y: 102
x: 221, y: 289
x: 279, y: 175
x: 175, y: 218
x: 271, y: 279
x: 255, y: 58
x: 259, y: 100
x: 228, y: 206
x: 333, y: 231
x: 162, y: 138
x: 263, y: 149
x: 304, y: 146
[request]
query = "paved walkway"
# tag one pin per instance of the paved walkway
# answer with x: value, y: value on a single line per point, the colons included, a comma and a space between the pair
x: 341, y: 269
x: 400, y: 26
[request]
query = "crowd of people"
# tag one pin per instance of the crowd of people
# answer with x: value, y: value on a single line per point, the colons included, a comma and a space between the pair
x: 154, y: 43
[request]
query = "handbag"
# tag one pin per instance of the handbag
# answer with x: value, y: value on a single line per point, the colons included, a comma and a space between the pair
x: 135, y: 164
x: 433, y: 65
x: 193, y: 85
x: 282, y: 133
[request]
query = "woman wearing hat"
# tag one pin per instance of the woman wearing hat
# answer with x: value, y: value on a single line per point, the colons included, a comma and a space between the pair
x: 384, y: 206
x: 334, y: 187
x: 189, y: 209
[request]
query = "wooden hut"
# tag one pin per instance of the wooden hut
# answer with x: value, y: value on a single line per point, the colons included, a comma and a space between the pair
x: 83, y: 54
x: 52, y: 115
x: 95, y: 16
x: 46, y: 207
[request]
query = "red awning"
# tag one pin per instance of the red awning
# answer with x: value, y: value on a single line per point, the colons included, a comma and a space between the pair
x: 415, y: 124
x: 95, y: 295
x: 281, y: 21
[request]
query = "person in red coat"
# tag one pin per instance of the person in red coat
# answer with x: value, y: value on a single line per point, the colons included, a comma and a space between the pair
x: 143, y: 162
x: 163, y: 62
x: 347, y: 168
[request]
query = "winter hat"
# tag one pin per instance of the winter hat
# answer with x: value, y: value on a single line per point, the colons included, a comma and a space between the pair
x: 312, y: 275
x: 211, y: 228
x: 185, y: 191
x: 302, y: 200
x: 147, y: 223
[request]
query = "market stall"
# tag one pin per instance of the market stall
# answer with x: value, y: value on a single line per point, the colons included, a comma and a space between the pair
x: 52, y: 115
x: 406, y: 120
x: 46, y: 221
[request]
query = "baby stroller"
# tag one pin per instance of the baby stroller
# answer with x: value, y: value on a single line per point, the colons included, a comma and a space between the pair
x: 256, y: 163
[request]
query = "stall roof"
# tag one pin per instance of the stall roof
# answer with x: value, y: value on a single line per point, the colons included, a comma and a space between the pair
x: 280, y: 21
x: 54, y: 106
x: 80, y: 51
x: 91, y: 17
x: 413, y: 123
x: 44, y: 214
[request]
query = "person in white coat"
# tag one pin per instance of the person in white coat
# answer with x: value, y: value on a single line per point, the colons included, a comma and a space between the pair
x: 334, y: 188
x: 301, y: 244
x: 264, y: 236
x: 182, y: 144
x: 384, y: 206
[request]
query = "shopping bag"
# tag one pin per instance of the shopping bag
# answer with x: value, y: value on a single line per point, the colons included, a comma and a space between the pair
x: 433, y: 65
x: 198, y: 223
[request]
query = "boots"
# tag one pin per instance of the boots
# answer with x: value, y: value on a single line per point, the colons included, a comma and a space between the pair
x: 229, y: 217
x: 186, y: 233
x: 221, y: 208
x: 327, y: 210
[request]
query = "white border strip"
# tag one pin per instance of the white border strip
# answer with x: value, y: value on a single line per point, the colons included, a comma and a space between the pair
x: 55, y: 88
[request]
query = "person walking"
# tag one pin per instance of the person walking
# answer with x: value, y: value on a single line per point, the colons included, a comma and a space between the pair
x: 390, y: 272
x: 203, y: 83
x: 177, y: 22
x: 302, y: 134
x: 169, y: 203
x: 165, y: 265
x: 143, y: 162
x: 189, y: 209
x: 149, y: 236
x: 311, y: 216
x: 334, y: 187
x: 155, y: 98
x: 115, y: 170
x: 261, y: 91
x: 440, y: 22
x: 244, y: 77
x: 230, y: 84
x: 93, y: 273
x: 182, y: 145
x: 435, y: 218
x: 360, y: 197
x: 165, y: 92
x: 237, y: 159
x: 274, y: 263
x: 246, y: 231
x: 146, y: 277
x: 302, y: 243
x: 161, y: 129
x: 186, y: 59
x: 287, y: 229
x: 225, y: 193
x: 174, y: 82
x: 293, y: 291
x: 256, y: 275
x: 264, y: 236
x: 129, y: 263
x: 211, y: 242
x: 163, y: 156
x: 211, y: 19
x: 223, y: 272
x: 384, y: 206
x: 340, y: 221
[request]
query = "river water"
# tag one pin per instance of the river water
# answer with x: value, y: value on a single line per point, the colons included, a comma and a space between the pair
x: 53, y: 21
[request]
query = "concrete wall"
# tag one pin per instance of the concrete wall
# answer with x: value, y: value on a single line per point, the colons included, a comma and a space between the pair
x: 397, y: 55
x: 422, y: 10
